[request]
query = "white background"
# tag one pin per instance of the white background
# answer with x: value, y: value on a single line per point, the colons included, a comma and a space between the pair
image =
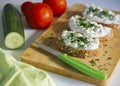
x: 32, y: 34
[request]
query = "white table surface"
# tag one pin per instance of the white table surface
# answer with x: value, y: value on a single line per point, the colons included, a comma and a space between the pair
x: 32, y: 34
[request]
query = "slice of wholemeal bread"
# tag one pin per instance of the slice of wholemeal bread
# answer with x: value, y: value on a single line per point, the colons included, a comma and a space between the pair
x: 80, y: 53
x: 90, y: 28
x: 103, y: 16
x: 85, y: 47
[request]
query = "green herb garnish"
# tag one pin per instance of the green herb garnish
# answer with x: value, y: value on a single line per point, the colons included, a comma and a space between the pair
x: 93, y: 63
x: 105, y: 13
x: 102, y: 14
x: 82, y: 40
x: 85, y: 23
x: 91, y: 9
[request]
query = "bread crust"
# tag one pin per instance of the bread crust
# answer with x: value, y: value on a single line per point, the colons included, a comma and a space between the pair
x: 113, y: 26
x: 78, y: 52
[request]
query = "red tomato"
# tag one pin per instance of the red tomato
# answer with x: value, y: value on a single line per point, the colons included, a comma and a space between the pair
x: 24, y: 6
x: 58, y: 6
x: 39, y: 15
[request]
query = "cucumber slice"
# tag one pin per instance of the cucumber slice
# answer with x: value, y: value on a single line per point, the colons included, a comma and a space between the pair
x: 14, y: 40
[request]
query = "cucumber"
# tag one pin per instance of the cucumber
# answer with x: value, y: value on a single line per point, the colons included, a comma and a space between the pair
x: 13, y: 27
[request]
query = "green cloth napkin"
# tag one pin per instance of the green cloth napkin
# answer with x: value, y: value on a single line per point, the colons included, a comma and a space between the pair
x: 16, y: 73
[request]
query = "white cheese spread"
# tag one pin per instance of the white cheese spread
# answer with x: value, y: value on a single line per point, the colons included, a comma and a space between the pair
x: 77, y: 40
x: 87, y: 27
x: 101, y: 15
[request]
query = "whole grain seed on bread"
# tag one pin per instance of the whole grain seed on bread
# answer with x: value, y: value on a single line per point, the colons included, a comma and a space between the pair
x: 102, y: 16
x: 78, y: 45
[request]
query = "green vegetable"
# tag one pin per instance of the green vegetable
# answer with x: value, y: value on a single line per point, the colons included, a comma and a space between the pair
x: 13, y: 27
x: 83, y: 67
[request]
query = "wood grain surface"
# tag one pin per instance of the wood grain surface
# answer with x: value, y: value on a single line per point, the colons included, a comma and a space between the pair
x: 106, y: 62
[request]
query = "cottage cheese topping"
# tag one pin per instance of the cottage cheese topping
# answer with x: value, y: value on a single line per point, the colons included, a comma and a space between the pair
x: 87, y: 27
x: 77, y: 40
x: 101, y: 15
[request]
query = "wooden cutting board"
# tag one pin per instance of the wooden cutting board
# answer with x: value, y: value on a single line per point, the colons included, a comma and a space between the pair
x: 106, y: 62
